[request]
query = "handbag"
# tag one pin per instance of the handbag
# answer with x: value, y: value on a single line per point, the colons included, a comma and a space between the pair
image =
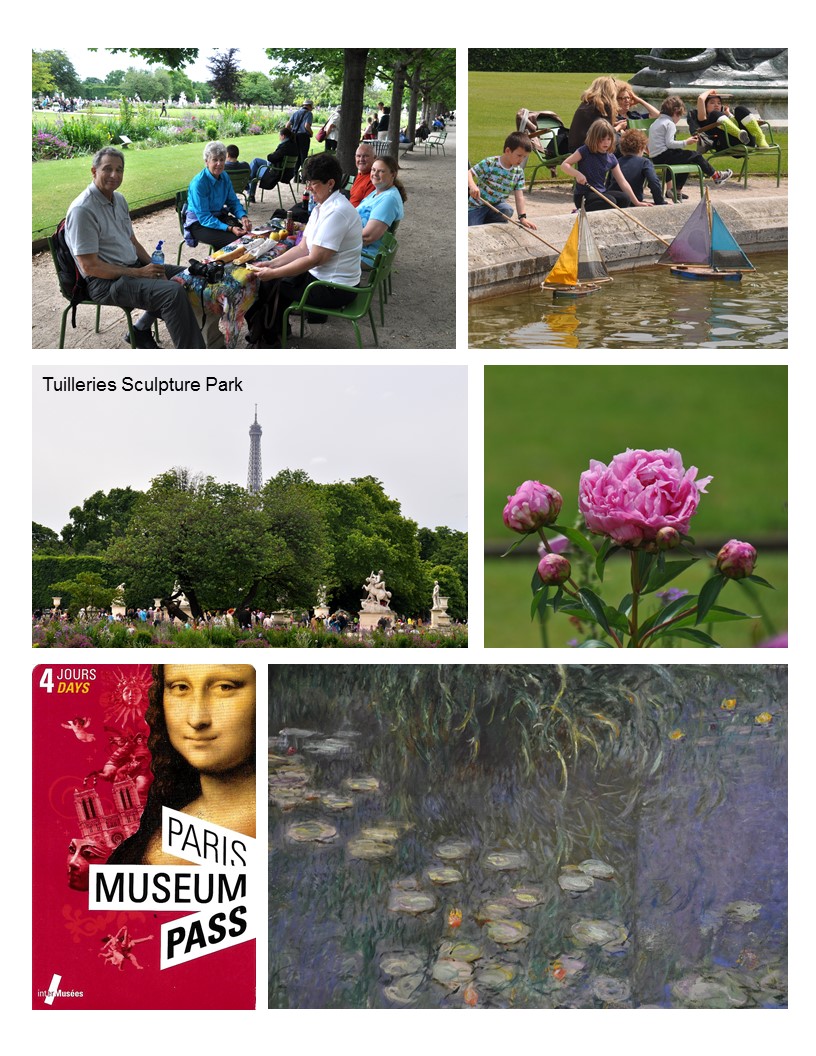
x: 321, y: 135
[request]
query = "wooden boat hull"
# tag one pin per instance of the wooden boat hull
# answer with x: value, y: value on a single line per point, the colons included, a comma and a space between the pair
x: 581, y: 290
x: 705, y: 274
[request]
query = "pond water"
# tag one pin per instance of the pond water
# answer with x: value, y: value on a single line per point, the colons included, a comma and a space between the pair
x: 647, y: 307
x: 657, y: 879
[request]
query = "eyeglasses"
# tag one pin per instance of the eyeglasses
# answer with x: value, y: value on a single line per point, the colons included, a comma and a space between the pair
x: 312, y: 183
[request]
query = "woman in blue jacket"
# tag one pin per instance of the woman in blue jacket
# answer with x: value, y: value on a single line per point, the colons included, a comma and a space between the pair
x: 215, y: 217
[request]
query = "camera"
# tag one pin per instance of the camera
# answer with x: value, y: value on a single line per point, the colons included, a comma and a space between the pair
x: 211, y: 272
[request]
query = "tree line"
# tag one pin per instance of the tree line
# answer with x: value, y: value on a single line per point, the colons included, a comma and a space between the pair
x: 224, y: 547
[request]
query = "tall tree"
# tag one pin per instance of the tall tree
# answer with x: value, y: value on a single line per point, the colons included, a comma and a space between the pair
x: 175, y: 58
x: 99, y: 519
x: 62, y: 70
x: 42, y: 80
x: 226, y: 75
x: 45, y: 540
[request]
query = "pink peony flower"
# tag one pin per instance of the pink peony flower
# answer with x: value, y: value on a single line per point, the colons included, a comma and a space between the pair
x: 533, y: 506
x: 639, y: 493
x: 736, y: 560
x: 554, y: 569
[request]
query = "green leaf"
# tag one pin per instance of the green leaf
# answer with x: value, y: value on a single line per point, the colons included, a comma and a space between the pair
x: 518, y: 542
x: 594, y: 643
x: 625, y: 605
x: 671, y: 569
x: 645, y: 562
x: 606, y: 551
x: 535, y: 582
x: 762, y: 582
x: 594, y: 606
x: 708, y: 595
x: 576, y: 537
x: 673, y: 608
x: 616, y: 619
x: 717, y: 614
x: 689, y: 633
x: 539, y: 602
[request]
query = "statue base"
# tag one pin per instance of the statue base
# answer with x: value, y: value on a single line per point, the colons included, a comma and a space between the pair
x: 770, y: 103
x: 281, y: 618
x: 369, y: 620
x: 321, y: 611
x: 440, y: 621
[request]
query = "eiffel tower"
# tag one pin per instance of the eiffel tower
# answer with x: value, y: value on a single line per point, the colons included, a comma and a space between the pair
x: 254, y: 473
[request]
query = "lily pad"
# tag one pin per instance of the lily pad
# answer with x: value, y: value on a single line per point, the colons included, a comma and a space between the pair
x: 362, y: 784
x: 495, y: 976
x: 384, y: 831
x: 413, y: 902
x: 369, y: 850
x: 334, y: 801
x: 444, y: 874
x: 311, y: 832
x: 496, y: 909
x: 329, y: 748
x: 596, y: 868
x: 696, y: 991
x: 451, y: 973
x: 527, y: 897
x: 461, y: 951
x: 506, y: 860
x: 402, y: 962
x: 292, y: 778
x: 598, y: 933
x: 610, y: 990
x: 507, y: 932
x: 287, y: 800
x: 743, y: 911
x: 403, y: 990
x: 454, y: 850
x: 575, y: 882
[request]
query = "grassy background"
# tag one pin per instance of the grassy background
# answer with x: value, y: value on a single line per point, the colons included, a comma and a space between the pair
x: 508, y: 597
x: 546, y: 423
x: 150, y: 176
x: 493, y: 99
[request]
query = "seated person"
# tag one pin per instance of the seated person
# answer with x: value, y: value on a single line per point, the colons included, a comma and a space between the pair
x: 371, y: 127
x: 664, y: 149
x: 714, y: 119
x: 382, y: 125
x: 636, y: 169
x: 382, y: 207
x: 625, y: 103
x: 233, y: 164
x: 214, y: 214
x: 423, y: 131
x: 493, y: 179
x: 598, y: 101
x: 329, y: 251
x: 361, y: 188
x: 117, y: 268
x: 287, y: 148
x: 589, y: 165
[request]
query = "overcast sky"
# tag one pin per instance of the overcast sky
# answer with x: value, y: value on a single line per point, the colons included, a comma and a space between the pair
x: 407, y: 426
x: 101, y: 62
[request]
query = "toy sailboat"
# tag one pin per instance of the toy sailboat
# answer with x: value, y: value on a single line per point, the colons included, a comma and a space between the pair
x: 579, y: 267
x: 705, y: 249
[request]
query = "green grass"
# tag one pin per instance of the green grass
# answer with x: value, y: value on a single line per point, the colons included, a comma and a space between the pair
x: 494, y: 98
x: 546, y: 422
x: 150, y: 176
x: 508, y: 597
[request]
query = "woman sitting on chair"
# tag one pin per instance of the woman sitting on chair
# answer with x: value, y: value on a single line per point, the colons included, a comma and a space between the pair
x: 214, y: 214
x: 382, y: 207
x: 329, y: 251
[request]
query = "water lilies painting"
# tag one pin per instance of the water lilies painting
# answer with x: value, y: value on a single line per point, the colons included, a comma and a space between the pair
x: 549, y: 836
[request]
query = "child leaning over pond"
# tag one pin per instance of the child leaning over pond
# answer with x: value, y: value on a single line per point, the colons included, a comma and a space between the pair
x: 497, y: 178
x: 594, y: 160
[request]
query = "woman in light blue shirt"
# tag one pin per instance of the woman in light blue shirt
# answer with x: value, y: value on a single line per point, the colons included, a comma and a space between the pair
x: 214, y: 214
x: 382, y: 207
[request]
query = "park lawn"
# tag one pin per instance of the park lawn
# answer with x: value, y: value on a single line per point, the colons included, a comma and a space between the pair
x: 546, y: 422
x: 508, y: 596
x: 494, y: 98
x: 150, y: 176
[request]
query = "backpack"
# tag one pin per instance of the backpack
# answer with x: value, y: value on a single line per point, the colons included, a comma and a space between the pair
x: 73, y: 283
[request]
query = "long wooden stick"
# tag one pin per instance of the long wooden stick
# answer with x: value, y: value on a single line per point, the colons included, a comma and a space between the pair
x: 628, y: 217
x: 519, y: 224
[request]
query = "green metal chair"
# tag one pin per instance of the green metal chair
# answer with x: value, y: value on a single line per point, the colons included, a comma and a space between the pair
x: 239, y: 178
x: 68, y: 294
x: 546, y: 134
x: 741, y: 152
x: 287, y: 170
x: 382, y: 266
x: 356, y: 309
x: 667, y: 172
x: 181, y: 204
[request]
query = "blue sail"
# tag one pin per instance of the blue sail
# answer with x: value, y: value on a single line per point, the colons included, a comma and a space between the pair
x: 725, y: 250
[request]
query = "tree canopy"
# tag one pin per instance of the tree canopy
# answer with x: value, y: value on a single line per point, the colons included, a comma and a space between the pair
x: 61, y: 71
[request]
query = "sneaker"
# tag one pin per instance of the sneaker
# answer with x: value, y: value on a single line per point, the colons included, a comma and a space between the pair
x: 721, y: 177
x: 144, y: 339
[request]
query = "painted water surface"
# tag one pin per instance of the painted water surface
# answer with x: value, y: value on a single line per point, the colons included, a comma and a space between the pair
x: 537, y: 837
x: 647, y: 307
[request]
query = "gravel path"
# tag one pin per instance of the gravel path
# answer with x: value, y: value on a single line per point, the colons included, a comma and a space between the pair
x: 423, y: 275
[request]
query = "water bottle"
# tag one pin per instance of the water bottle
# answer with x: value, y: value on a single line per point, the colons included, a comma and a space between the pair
x: 158, y: 254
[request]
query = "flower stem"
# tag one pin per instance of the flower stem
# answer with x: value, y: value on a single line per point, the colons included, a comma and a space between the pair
x: 636, y: 585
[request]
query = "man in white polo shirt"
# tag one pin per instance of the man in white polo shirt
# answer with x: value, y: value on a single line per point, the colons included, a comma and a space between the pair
x: 117, y: 268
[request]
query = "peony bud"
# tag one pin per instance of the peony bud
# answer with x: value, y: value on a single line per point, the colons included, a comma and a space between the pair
x: 736, y: 560
x: 667, y: 538
x: 554, y: 569
x: 533, y: 506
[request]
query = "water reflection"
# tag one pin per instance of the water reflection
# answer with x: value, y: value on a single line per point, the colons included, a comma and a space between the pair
x: 648, y: 307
